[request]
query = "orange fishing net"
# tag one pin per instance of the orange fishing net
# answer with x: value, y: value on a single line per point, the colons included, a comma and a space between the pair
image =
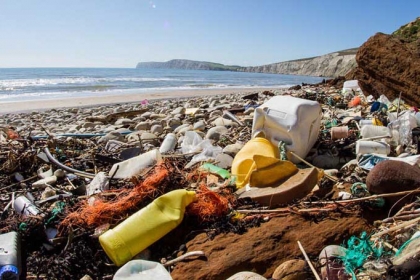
x: 209, y: 205
x: 125, y: 202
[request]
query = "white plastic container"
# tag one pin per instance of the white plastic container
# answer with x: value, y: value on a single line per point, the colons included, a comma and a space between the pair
x: 348, y: 86
x: 292, y: 120
x: 371, y: 147
x: 133, y: 166
x: 141, y: 269
x: 369, y: 131
x: 169, y: 143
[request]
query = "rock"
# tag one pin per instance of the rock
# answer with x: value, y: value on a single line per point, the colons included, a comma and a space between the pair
x: 263, y: 248
x: 146, y: 115
x: 220, y: 121
x: 147, y: 137
x: 233, y: 149
x: 179, y: 110
x: 388, y: 65
x: 200, y: 125
x: 183, y: 126
x: 216, y: 113
x: 332, y: 255
x: 157, y: 116
x: 246, y: 275
x: 113, y: 135
x: 156, y: 129
x: 143, y: 126
x: 224, y: 161
x: 393, y: 176
x: 296, y: 87
x: 292, y: 270
x: 326, y: 161
x: 214, y: 133
x: 124, y: 121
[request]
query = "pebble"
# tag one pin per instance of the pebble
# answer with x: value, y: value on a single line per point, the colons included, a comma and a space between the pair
x: 246, y: 275
x: 214, y: 133
x: 292, y: 270
x: 113, y: 135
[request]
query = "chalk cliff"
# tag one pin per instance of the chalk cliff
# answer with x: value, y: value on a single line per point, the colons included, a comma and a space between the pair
x: 188, y: 64
x: 329, y: 65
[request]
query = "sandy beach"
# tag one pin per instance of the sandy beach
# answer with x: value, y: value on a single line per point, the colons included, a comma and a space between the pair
x: 42, y: 105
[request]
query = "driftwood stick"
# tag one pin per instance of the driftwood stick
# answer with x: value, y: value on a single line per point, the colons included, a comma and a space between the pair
x: 308, y: 261
x: 402, y: 225
x: 23, y: 181
x: 184, y: 256
x: 401, y: 218
x: 365, y: 198
x: 267, y: 211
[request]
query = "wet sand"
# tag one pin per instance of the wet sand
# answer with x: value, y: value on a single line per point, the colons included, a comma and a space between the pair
x: 41, y: 105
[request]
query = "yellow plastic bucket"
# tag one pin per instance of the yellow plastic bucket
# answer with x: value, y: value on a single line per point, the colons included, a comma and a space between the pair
x: 243, y: 163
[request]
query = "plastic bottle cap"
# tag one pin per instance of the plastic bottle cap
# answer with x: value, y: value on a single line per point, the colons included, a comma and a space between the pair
x: 8, y: 271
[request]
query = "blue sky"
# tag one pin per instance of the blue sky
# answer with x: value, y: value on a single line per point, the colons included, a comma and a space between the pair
x: 82, y: 33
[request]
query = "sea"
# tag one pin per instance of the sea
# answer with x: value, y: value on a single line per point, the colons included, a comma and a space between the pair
x: 27, y: 84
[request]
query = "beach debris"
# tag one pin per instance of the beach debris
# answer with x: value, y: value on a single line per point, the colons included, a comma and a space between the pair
x: 147, y: 269
x: 63, y: 186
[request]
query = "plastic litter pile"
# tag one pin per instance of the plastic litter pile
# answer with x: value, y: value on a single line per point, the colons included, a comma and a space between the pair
x: 98, y: 205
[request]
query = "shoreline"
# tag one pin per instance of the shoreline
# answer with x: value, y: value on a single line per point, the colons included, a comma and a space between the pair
x: 10, y: 107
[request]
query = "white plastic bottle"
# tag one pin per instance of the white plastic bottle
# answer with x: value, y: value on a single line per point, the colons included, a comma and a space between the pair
x: 370, y: 131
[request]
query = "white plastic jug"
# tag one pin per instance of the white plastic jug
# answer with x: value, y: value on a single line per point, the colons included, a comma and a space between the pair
x: 292, y: 120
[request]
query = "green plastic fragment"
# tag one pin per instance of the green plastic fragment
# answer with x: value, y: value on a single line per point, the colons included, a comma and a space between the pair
x: 58, y: 209
x: 358, y: 251
x: 216, y: 170
x: 282, y: 149
x: 23, y: 226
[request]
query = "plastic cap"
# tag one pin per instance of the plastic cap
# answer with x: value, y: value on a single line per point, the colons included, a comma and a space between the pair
x: 9, y: 272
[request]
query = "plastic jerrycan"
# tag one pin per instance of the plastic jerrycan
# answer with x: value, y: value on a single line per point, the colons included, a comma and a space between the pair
x: 9, y: 255
x: 146, y: 226
x: 294, y: 121
x: 243, y: 162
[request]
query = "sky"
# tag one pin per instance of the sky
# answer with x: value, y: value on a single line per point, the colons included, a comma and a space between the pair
x: 111, y: 33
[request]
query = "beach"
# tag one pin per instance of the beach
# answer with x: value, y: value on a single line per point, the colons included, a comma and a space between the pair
x: 59, y: 149
x: 91, y: 101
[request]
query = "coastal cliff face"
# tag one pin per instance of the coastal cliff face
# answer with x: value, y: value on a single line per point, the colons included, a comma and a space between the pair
x: 390, y: 64
x: 329, y: 65
x: 188, y: 64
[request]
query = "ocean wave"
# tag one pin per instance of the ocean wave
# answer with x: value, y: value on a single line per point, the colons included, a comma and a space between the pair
x: 22, y: 83
x: 92, y: 91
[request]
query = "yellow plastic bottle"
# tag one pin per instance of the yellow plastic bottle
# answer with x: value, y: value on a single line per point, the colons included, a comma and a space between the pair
x: 243, y: 162
x: 145, y: 227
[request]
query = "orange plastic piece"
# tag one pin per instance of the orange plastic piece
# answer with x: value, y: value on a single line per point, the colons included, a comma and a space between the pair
x: 355, y: 101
